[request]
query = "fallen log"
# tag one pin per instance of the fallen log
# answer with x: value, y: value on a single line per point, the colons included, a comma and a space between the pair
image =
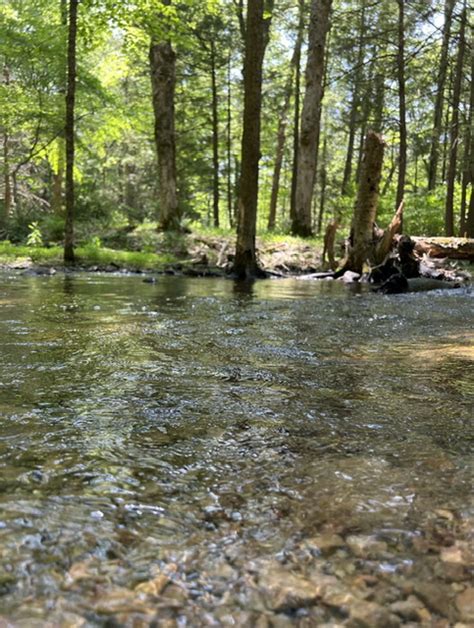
x: 451, y: 248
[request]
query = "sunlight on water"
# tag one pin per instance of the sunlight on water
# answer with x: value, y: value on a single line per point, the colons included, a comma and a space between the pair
x: 162, y: 428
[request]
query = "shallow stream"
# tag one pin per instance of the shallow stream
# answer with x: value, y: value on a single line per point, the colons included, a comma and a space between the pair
x: 202, y: 452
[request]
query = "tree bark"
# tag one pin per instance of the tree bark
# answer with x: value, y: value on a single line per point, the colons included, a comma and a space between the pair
x: 163, y: 80
x: 215, y: 138
x: 454, y: 134
x: 440, y: 84
x: 323, y: 183
x: 256, y: 38
x: 468, y: 158
x: 283, y: 123
x: 69, y: 257
x: 402, y: 157
x: 296, y: 116
x: 355, y: 104
x: 7, y: 198
x: 361, y: 242
x: 229, y: 146
x: 310, y: 117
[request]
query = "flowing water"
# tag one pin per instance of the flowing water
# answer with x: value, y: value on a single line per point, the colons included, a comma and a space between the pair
x: 169, y: 450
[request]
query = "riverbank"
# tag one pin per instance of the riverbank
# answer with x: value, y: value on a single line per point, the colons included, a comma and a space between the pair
x: 195, y: 254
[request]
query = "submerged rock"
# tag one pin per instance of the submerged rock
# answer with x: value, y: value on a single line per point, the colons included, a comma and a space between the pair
x: 465, y: 604
x: 286, y: 591
x: 365, y: 546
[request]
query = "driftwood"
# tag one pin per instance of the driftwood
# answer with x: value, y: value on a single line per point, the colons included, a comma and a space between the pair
x: 451, y: 248
x: 385, y: 244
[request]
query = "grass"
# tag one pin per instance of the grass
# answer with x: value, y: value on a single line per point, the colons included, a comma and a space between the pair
x: 88, y: 255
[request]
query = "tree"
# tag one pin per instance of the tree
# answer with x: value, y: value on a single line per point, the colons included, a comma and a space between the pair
x: 402, y: 115
x: 440, y: 84
x: 256, y: 38
x: 283, y: 121
x: 454, y: 131
x: 361, y: 240
x: 310, y: 117
x: 69, y: 257
x: 163, y: 80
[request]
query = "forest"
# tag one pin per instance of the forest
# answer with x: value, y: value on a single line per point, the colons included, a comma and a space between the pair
x: 224, y: 118
x: 182, y: 444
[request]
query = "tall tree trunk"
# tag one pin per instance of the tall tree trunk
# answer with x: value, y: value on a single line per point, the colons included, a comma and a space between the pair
x: 215, y: 138
x: 468, y: 170
x: 58, y: 176
x: 323, y: 183
x: 468, y: 159
x: 310, y: 117
x: 283, y: 122
x: 296, y: 115
x: 69, y: 257
x: 454, y: 134
x: 163, y: 80
x: 256, y: 38
x: 355, y: 104
x: 7, y: 198
x: 361, y: 240
x: 440, y: 84
x: 402, y: 156
x: 229, y: 145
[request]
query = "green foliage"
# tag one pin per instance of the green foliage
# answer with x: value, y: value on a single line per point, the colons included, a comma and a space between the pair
x: 35, y: 237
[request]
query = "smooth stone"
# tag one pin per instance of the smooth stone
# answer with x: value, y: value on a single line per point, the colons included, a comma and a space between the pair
x: 365, y: 546
x: 465, y: 604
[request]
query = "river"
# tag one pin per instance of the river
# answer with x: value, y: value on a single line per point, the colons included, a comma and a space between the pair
x: 203, y: 452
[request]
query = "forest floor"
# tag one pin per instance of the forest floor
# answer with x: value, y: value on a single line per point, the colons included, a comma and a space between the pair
x: 204, y: 253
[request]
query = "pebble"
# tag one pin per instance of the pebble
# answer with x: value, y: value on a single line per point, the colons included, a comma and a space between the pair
x: 465, y: 604
x: 365, y: 546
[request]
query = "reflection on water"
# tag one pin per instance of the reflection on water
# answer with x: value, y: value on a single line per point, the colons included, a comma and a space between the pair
x: 188, y: 420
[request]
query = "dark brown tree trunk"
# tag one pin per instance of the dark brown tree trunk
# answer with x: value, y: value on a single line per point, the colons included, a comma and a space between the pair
x: 256, y: 38
x: 296, y: 115
x: 361, y: 242
x: 468, y: 159
x: 215, y: 138
x: 355, y: 104
x: 454, y: 134
x: 163, y: 81
x: 310, y: 117
x: 440, y: 84
x: 69, y: 257
x: 402, y: 156
x: 283, y: 123
x: 229, y: 146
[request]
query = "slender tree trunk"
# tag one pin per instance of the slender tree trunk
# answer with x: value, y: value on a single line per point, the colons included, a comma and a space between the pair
x: 468, y: 160
x: 454, y: 134
x: 7, y: 199
x: 215, y: 138
x: 440, y: 84
x: 296, y: 115
x: 355, y: 104
x: 163, y: 81
x: 58, y: 178
x: 229, y: 146
x: 447, y: 117
x: 283, y: 123
x: 323, y: 183
x: 256, y: 38
x: 402, y: 157
x: 361, y: 241
x: 69, y: 131
x: 310, y: 117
